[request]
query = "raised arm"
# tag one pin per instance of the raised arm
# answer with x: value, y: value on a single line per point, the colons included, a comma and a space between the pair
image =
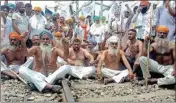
x: 65, y: 52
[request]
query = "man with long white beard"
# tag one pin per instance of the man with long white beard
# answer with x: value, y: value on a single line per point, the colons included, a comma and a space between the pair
x: 58, y: 44
x: 76, y: 63
x: 37, y: 22
x: 45, y: 62
x: 163, y: 62
x: 14, y: 55
x: 109, y: 64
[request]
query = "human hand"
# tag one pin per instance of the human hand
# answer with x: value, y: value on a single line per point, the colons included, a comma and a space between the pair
x: 25, y: 36
x: 65, y: 41
x: 131, y: 75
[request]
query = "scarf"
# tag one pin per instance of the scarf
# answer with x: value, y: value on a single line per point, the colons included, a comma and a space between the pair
x: 85, y: 31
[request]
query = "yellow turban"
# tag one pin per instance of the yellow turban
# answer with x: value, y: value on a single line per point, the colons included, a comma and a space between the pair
x: 37, y: 8
x: 69, y: 21
x: 58, y: 34
x: 15, y: 35
x: 162, y: 28
x: 82, y: 18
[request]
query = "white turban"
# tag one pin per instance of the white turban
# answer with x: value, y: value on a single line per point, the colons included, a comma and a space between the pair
x: 113, y: 39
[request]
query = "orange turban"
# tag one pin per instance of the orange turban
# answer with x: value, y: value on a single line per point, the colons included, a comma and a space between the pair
x: 58, y: 34
x: 15, y: 35
x: 37, y: 8
x: 162, y: 28
x: 144, y: 2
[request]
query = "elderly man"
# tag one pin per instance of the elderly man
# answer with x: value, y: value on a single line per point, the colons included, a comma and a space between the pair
x: 163, y: 62
x: 45, y: 62
x: 37, y: 22
x: 20, y: 20
x: 133, y: 49
x: 58, y: 40
x: 14, y: 55
x: 141, y: 20
x: 109, y: 64
x: 163, y: 17
x: 77, y: 60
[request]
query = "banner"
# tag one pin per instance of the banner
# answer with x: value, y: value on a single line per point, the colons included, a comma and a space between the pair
x: 48, y: 12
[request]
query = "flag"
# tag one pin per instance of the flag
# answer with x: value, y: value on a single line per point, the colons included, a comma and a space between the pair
x: 48, y: 12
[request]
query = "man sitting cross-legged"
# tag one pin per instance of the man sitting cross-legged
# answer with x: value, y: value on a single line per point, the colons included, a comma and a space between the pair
x: 45, y: 62
x: 111, y: 60
x: 14, y: 55
x: 163, y: 62
x: 76, y: 60
x: 133, y: 50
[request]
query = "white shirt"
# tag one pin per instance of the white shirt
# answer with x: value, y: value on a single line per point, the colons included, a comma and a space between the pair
x: 142, y: 20
x: 37, y: 24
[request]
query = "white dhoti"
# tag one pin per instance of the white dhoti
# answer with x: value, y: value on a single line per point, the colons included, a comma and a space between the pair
x: 40, y: 80
x: 116, y: 75
x: 61, y: 61
x: 34, y: 77
x: 155, y: 67
x: 76, y: 71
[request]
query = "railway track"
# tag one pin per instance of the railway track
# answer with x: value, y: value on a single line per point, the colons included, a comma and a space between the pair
x: 91, y: 91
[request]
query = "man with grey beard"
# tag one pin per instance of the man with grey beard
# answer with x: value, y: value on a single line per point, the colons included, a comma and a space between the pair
x: 163, y: 62
x: 45, y: 62
x: 109, y: 64
x: 14, y: 55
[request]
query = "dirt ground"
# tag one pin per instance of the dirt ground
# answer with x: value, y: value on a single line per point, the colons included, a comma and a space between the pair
x: 89, y: 90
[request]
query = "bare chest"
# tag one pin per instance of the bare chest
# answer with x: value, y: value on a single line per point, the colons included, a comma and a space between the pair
x: 77, y: 56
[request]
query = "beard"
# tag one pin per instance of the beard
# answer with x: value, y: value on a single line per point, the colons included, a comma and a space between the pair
x: 163, y: 45
x: 112, y: 51
x: 37, y: 16
x: 46, y: 51
x: 12, y: 47
x: 76, y: 49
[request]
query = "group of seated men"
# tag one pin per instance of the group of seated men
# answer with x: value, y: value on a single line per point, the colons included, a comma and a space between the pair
x: 52, y: 57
